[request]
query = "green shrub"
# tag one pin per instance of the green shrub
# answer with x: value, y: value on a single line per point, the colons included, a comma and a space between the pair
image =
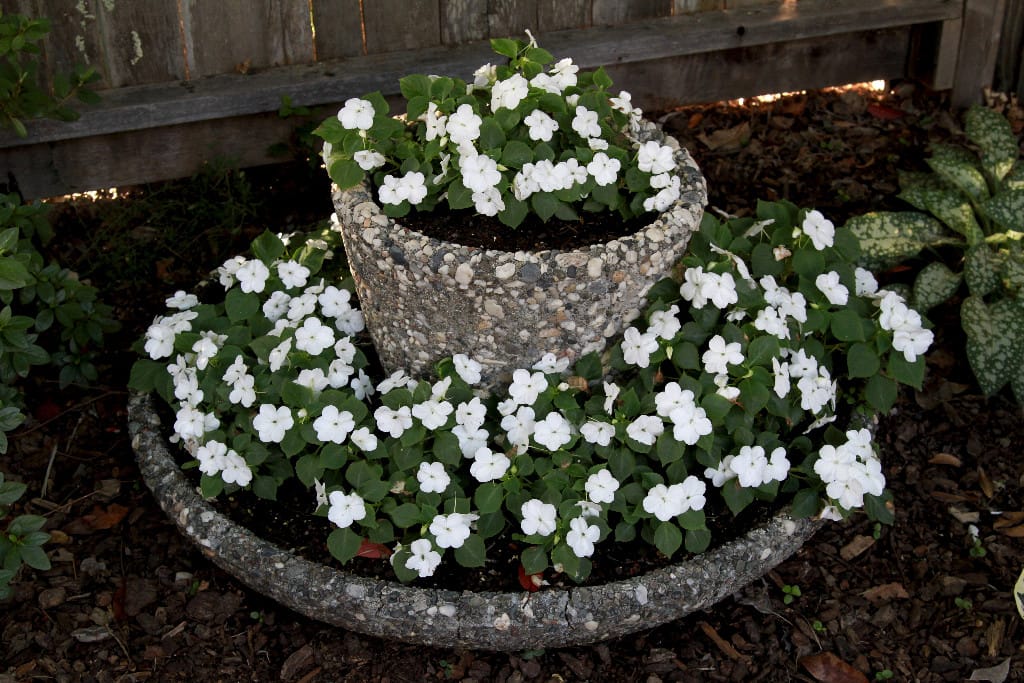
x: 22, y: 541
x: 973, y: 202
x: 21, y: 96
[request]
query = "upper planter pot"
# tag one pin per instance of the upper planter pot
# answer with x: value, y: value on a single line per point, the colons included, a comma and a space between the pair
x: 424, y: 299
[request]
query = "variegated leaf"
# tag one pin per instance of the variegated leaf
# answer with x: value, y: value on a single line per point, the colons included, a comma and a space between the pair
x: 980, y: 270
x: 995, y: 340
x: 950, y: 206
x: 1013, y: 270
x: 1015, y: 179
x: 991, y: 132
x: 1006, y: 209
x: 959, y: 168
x: 889, y: 237
x: 935, y: 284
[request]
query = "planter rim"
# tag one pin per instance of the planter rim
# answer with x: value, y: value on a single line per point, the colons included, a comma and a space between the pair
x: 485, y: 620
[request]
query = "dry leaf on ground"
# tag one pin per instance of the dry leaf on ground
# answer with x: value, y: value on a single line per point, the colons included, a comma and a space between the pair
x: 828, y: 668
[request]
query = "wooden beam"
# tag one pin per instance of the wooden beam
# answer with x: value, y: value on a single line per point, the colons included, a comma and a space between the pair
x: 979, y: 49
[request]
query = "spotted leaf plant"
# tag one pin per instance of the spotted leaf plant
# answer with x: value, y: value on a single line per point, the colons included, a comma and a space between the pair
x: 722, y: 395
x: 530, y: 136
x: 973, y: 203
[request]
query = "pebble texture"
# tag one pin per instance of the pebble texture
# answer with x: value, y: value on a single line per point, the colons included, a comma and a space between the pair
x: 424, y: 299
x: 486, y: 621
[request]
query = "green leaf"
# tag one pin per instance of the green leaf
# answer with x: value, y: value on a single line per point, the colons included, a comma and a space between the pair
x: 981, y: 274
x: 346, y: 173
x: 344, y: 544
x: 35, y: 557
x: 935, y: 284
x: 489, y: 497
x: 415, y: 85
x: 887, y: 238
x: 992, y: 133
x: 534, y: 559
x: 995, y: 340
x: 958, y: 168
x: 806, y: 504
x: 697, y: 540
x: 241, y: 306
x: 950, y: 206
x: 472, y: 553
x: 809, y: 263
x: 459, y: 197
x: 268, y: 247
x: 514, y: 213
x: 506, y: 47
x: 736, y: 497
x: 847, y: 326
x: 668, y: 538
x: 544, y: 204
x: 877, y: 508
x: 911, y: 374
x: 491, y: 135
x: 862, y: 361
x: 516, y: 154
x: 11, y: 491
x: 13, y: 274
x: 1006, y: 209
x: 406, y: 515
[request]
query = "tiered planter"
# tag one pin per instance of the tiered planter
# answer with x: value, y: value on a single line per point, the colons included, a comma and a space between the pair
x: 424, y: 299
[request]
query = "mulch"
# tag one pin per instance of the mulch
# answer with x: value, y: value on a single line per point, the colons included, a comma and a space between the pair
x: 128, y: 599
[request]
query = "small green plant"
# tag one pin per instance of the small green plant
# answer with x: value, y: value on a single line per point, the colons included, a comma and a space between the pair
x: 22, y: 541
x: 818, y: 626
x: 790, y: 593
x: 21, y: 96
x: 966, y: 604
x: 977, y: 549
x: 974, y: 203
x: 884, y: 675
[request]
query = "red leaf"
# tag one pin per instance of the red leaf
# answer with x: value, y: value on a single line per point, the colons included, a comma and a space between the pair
x: 880, y: 111
x: 828, y: 668
x: 530, y: 582
x: 373, y: 551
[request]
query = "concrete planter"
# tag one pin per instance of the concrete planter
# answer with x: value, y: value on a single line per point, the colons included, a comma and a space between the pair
x: 424, y: 299
x: 488, y: 621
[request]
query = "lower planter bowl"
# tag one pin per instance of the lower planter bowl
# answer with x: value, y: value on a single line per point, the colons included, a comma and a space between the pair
x: 446, y: 618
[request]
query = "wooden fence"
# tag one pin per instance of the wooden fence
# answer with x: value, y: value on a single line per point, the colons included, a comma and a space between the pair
x: 188, y: 81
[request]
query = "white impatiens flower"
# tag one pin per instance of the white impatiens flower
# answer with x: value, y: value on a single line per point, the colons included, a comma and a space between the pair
x: 489, y: 202
x: 604, y: 169
x: 243, y: 392
x: 409, y: 188
x: 585, y: 123
x: 665, y: 198
x: 817, y: 390
x: 654, y: 158
x: 720, y: 289
x: 279, y: 354
x: 334, y: 302
x: 345, y: 509
x: 721, y: 474
x: 464, y: 125
x: 597, y: 432
x: 192, y: 423
x: 313, y: 379
x: 364, y: 439
x: 159, y: 341
x: 665, y: 324
x: 252, y: 276
x: 393, y: 421
x: 313, y: 337
x: 751, y: 466
x: 526, y: 387
x: 851, y: 470
x: 301, y: 306
x: 538, y: 517
x: 471, y: 439
x: 369, y: 159
x: 433, y: 414
x: 611, y: 393
x: 663, y: 502
x: 509, y: 92
x: 563, y: 73
x: 236, y: 470
x: 519, y: 427
x: 912, y: 342
x: 645, y: 429
x: 865, y: 283
x: 582, y: 537
x: 226, y: 272
x: 471, y: 414
x: 479, y: 172
x: 769, y: 320
x: 553, y: 432
x: 909, y: 336
x: 720, y: 355
x: 292, y: 274
x: 423, y: 559
x: 541, y: 126
x: 467, y: 368
x: 637, y: 347
x: 672, y: 396
x: 273, y: 422
x: 451, y: 531
x: 206, y: 347
x: 436, y: 122
x: 692, y: 288
x: 432, y: 477
x: 820, y: 229
x: 488, y: 465
x: 601, y: 486
x: 361, y: 385
x: 212, y: 457
x: 333, y: 425
x: 689, y: 423
x: 276, y: 306
x: 835, y: 291
x: 550, y: 363
x: 236, y: 371
x: 780, y: 372
x: 357, y: 114
x: 396, y: 380
x: 182, y: 300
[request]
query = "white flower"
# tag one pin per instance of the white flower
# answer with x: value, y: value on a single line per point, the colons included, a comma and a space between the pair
x: 541, y: 125
x: 582, y: 537
x: 819, y: 229
x: 671, y: 397
x: 692, y: 492
x: 692, y: 288
x: 724, y: 390
x: 432, y: 413
x: 509, y: 92
x: 333, y: 425
x: 361, y: 385
x: 357, y: 114
x: 778, y: 465
x: 350, y: 322
x: 479, y: 172
x: 485, y: 75
x: 596, y: 432
x: 276, y: 306
x: 585, y: 123
x: 816, y: 391
x: 781, y: 373
x: 588, y: 509
x: 451, y: 531
x: 432, y: 478
x: 292, y: 274
x: 637, y: 348
x: 655, y: 158
x: 645, y: 429
x: 665, y: 324
x: 338, y: 373
x: 364, y: 439
x: 721, y: 474
x: 467, y: 368
x: 393, y: 421
x: 471, y: 439
x: 604, y: 168
x: 313, y: 379
x: 597, y: 144
x: 243, y: 392
x: 829, y: 285
x: 301, y: 306
x: 369, y: 159
x: 800, y: 364
x: 720, y: 355
x: 182, y: 300
x: 235, y: 470
x: 271, y: 423
x: 690, y: 422
x: 751, y: 465
x: 212, y: 457
x: 720, y: 289
x: 553, y: 432
x: 769, y: 320
x: 489, y: 202
x: 236, y: 371
x: 622, y: 103
x: 252, y: 276
x: 601, y: 486
x: 411, y: 188
x: 663, y: 502
x: 526, y: 387
x: 563, y: 73
x: 397, y: 379
x: 159, y: 341
x: 912, y: 342
x: 831, y: 513
x: 192, y: 423
x: 665, y: 198
x: 436, y: 123
x: 550, y: 363
x: 334, y: 302
x: 611, y: 392
x: 313, y: 337
x: 345, y: 509
x: 423, y: 559
x: 278, y: 354
x: 464, y: 125
x: 865, y: 283
x: 226, y: 272
x: 538, y: 517
x: 488, y: 465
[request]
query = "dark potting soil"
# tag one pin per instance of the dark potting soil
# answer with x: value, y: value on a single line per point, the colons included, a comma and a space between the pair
x: 468, y: 228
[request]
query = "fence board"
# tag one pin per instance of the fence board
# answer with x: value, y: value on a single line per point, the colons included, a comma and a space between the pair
x: 1010, y: 65
x: 620, y: 11
x: 142, y: 43
x: 75, y: 37
x: 339, y: 31
x: 393, y: 25
x: 979, y: 45
x: 463, y: 21
x: 236, y: 35
x: 554, y: 16
x: 688, y: 6
x: 511, y: 18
